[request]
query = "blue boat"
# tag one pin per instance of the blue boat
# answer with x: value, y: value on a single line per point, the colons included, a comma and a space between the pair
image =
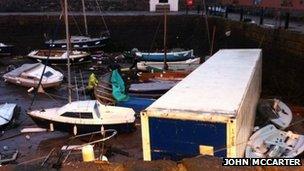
x: 159, y: 56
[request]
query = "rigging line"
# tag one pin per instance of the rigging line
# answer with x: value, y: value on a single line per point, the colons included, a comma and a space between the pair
x: 46, y: 62
x: 52, y: 98
x: 83, y: 88
x: 206, y: 22
x: 74, y: 20
x: 154, y: 37
x: 102, y: 17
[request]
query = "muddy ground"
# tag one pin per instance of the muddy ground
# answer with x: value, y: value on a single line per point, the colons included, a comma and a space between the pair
x: 125, y: 152
x: 36, y: 145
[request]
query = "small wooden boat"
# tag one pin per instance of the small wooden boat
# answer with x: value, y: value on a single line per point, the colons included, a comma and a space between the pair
x: 7, y: 111
x: 59, y: 56
x: 188, y: 65
x: 162, y: 76
x: 154, y: 85
x: 5, y: 49
x: 103, y: 93
x: 159, y: 57
x: 80, y: 42
x: 85, y: 116
x: 28, y: 75
x: 270, y: 142
x: 276, y: 111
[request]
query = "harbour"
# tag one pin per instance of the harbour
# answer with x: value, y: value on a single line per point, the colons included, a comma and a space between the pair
x: 280, y: 77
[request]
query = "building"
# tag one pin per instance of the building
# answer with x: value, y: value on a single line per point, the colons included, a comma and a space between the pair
x: 159, y: 5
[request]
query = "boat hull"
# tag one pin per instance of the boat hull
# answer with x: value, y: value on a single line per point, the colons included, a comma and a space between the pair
x: 31, y: 83
x: 88, y: 45
x: 15, y: 111
x: 62, y: 61
x: 6, y: 50
x: 69, y: 128
x: 171, y: 56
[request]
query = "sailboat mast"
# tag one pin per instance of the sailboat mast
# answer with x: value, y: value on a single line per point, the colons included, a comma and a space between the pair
x: 66, y: 20
x: 165, y: 40
x: 85, y: 18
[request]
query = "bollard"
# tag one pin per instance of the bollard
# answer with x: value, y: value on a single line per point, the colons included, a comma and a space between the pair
x: 88, y: 153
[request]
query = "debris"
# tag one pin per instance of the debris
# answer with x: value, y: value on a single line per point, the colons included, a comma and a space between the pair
x: 33, y: 130
x: 5, y: 148
x: 47, y: 157
x: 118, y: 151
x: 30, y: 90
x: 71, y: 147
x: 27, y: 137
x: 13, y: 158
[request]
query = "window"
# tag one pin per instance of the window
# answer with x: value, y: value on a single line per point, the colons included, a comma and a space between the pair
x: 48, y: 74
x: 163, y: 1
x: 96, y: 110
x: 82, y: 115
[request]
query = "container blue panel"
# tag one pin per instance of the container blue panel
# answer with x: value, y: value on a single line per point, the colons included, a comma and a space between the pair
x: 178, y: 139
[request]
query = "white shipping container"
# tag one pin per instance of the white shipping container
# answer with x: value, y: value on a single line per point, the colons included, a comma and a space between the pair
x: 211, y: 111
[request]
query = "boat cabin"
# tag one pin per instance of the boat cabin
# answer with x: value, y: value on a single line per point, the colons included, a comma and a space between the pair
x: 81, y: 109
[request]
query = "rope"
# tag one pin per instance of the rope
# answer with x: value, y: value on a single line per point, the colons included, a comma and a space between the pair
x: 154, y: 38
x: 74, y: 20
x: 46, y: 63
x: 207, y: 24
x: 102, y: 17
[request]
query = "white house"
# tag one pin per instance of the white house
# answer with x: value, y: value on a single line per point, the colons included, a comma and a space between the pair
x: 160, y: 4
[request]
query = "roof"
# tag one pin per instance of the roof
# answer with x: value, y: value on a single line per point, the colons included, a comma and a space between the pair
x: 79, y: 106
x: 217, y: 86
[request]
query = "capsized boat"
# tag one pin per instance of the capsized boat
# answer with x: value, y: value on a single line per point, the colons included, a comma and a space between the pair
x: 276, y: 111
x: 270, y: 142
x: 28, y: 75
x: 59, y: 56
x: 159, y: 56
x: 188, y: 65
x: 84, y: 117
x: 7, y: 111
x: 6, y: 49
x: 80, y: 42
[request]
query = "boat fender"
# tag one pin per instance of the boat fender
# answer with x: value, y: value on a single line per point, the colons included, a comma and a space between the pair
x: 103, y: 133
x: 18, y: 81
x: 75, y: 130
x: 80, y: 60
x: 103, y: 158
x: 51, y: 127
